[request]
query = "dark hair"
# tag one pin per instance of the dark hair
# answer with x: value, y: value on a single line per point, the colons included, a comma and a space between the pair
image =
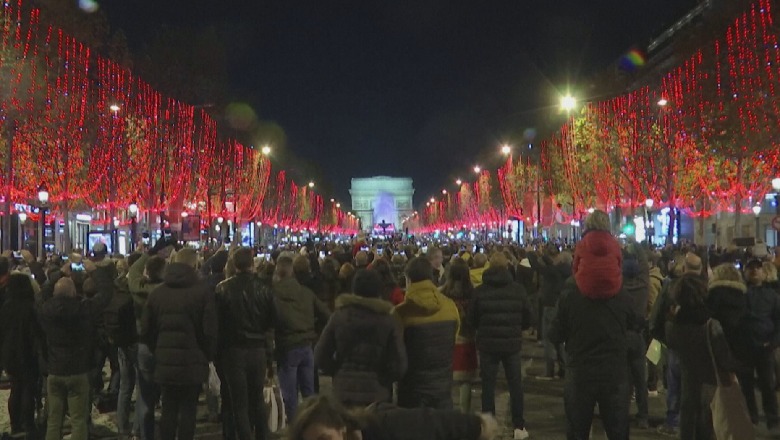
x: 219, y: 261
x: 20, y: 287
x: 689, y: 293
x: 458, y: 283
x: 131, y: 259
x: 382, y: 267
x: 419, y: 269
x: 325, y: 410
x: 155, y: 266
x: 367, y: 283
x: 301, y: 265
x: 5, y: 265
x: 243, y: 260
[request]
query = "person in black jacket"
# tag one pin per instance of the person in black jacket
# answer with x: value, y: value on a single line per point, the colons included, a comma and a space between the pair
x: 553, y: 268
x: 322, y: 417
x: 121, y: 330
x: 245, y: 312
x: 68, y: 322
x: 20, y: 339
x: 362, y: 345
x: 179, y: 325
x: 636, y: 284
x: 499, y: 312
x: 592, y: 318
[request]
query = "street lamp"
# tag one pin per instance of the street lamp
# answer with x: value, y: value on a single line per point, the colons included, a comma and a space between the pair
x: 132, y: 210
x: 506, y: 150
x: 338, y: 205
x: 43, y: 198
x: 458, y: 182
x: 662, y: 102
x: 311, y: 184
x: 757, y: 212
x: 444, y: 191
x: 22, y: 220
x: 568, y: 103
x: 433, y: 200
x: 114, y: 108
x: 651, y: 225
x: 266, y: 150
x: 477, y: 169
x: 776, y: 187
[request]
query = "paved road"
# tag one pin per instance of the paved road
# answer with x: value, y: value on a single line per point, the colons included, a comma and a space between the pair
x: 543, y: 408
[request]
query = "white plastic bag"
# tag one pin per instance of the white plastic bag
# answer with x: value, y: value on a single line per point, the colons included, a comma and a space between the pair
x: 214, y: 383
x: 274, y: 403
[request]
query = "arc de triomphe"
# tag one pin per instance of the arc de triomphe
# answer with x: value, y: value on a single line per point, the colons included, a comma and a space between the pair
x: 379, y: 198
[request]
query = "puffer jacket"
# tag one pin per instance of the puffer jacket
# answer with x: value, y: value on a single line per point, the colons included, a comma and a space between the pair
x: 431, y: 322
x: 21, y: 337
x: 499, y: 311
x: 597, y: 265
x: 362, y: 347
x: 179, y: 325
x: 300, y: 316
x: 245, y: 309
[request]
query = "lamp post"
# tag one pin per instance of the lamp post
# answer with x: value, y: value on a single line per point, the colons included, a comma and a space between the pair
x: 650, y: 224
x: 776, y: 187
x: 757, y: 212
x: 43, y: 198
x: 132, y: 209
x: 218, y: 228
x: 22, y: 220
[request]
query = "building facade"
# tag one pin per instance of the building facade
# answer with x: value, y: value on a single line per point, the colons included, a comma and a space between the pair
x: 382, y: 200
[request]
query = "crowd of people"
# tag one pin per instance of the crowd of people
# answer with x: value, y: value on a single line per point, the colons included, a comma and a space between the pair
x: 400, y: 330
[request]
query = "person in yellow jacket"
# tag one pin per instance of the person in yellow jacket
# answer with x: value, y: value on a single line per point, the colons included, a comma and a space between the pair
x: 430, y: 321
x: 480, y: 264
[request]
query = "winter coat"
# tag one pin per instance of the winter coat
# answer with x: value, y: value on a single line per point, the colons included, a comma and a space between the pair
x: 430, y: 321
x: 68, y: 323
x: 597, y: 265
x: 179, y: 324
x: 300, y: 316
x: 551, y: 278
x: 245, y: 310
x: 21, y: 337
x: 636, y: 285
x: 464, y: 357
x: 764, y: 316
x: 727, y: 303
x: 388, y: 422
x: 119, y: 317
x: 593, y: 322
x: 476, y: 275
x: 362, y: 347
x: 499, y: 311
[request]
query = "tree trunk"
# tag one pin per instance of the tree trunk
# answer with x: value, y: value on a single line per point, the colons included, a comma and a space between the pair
x: 738, y: 203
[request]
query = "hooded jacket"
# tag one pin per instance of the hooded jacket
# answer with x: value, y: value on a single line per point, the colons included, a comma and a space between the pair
x: 499, y: 311
x: 179, y: 325
x: 597, y: 265
x: 476, y: 274
x: 727, y: 303
x: 431, y: 322
x: 300, y: 315
x: 636, y: 284
x: 362, y: 347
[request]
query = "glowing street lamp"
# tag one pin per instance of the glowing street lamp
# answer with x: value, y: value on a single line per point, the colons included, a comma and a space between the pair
x: 568, y: 103
x: 266, y: 150
x: 444, y: 191
x: 338, y: 205
x: 114, y: 108
x: 43, y: 194
x: 477, y: 169
x: 22, y: 216
x: 311, y: 184
x: 458, y: 182
x: 662, y: 102
x: 433, y: 200
x: 506, y: 150
x: 184, y: 214
x: 649, y: 203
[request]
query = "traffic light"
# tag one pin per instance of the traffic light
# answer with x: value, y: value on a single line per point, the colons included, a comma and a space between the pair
x: 629, y: 229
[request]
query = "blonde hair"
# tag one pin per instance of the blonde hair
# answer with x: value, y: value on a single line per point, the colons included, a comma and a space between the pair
x: 65, y: 287
x: 598, y: 220
x: 499, y: 260
x: 186, y: 256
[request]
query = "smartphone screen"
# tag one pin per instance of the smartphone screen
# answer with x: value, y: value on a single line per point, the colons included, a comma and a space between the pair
x: 322, y: 255
x: 77, y: 267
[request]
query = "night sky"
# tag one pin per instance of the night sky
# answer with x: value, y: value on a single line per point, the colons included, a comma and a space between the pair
x: 421, y: 88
